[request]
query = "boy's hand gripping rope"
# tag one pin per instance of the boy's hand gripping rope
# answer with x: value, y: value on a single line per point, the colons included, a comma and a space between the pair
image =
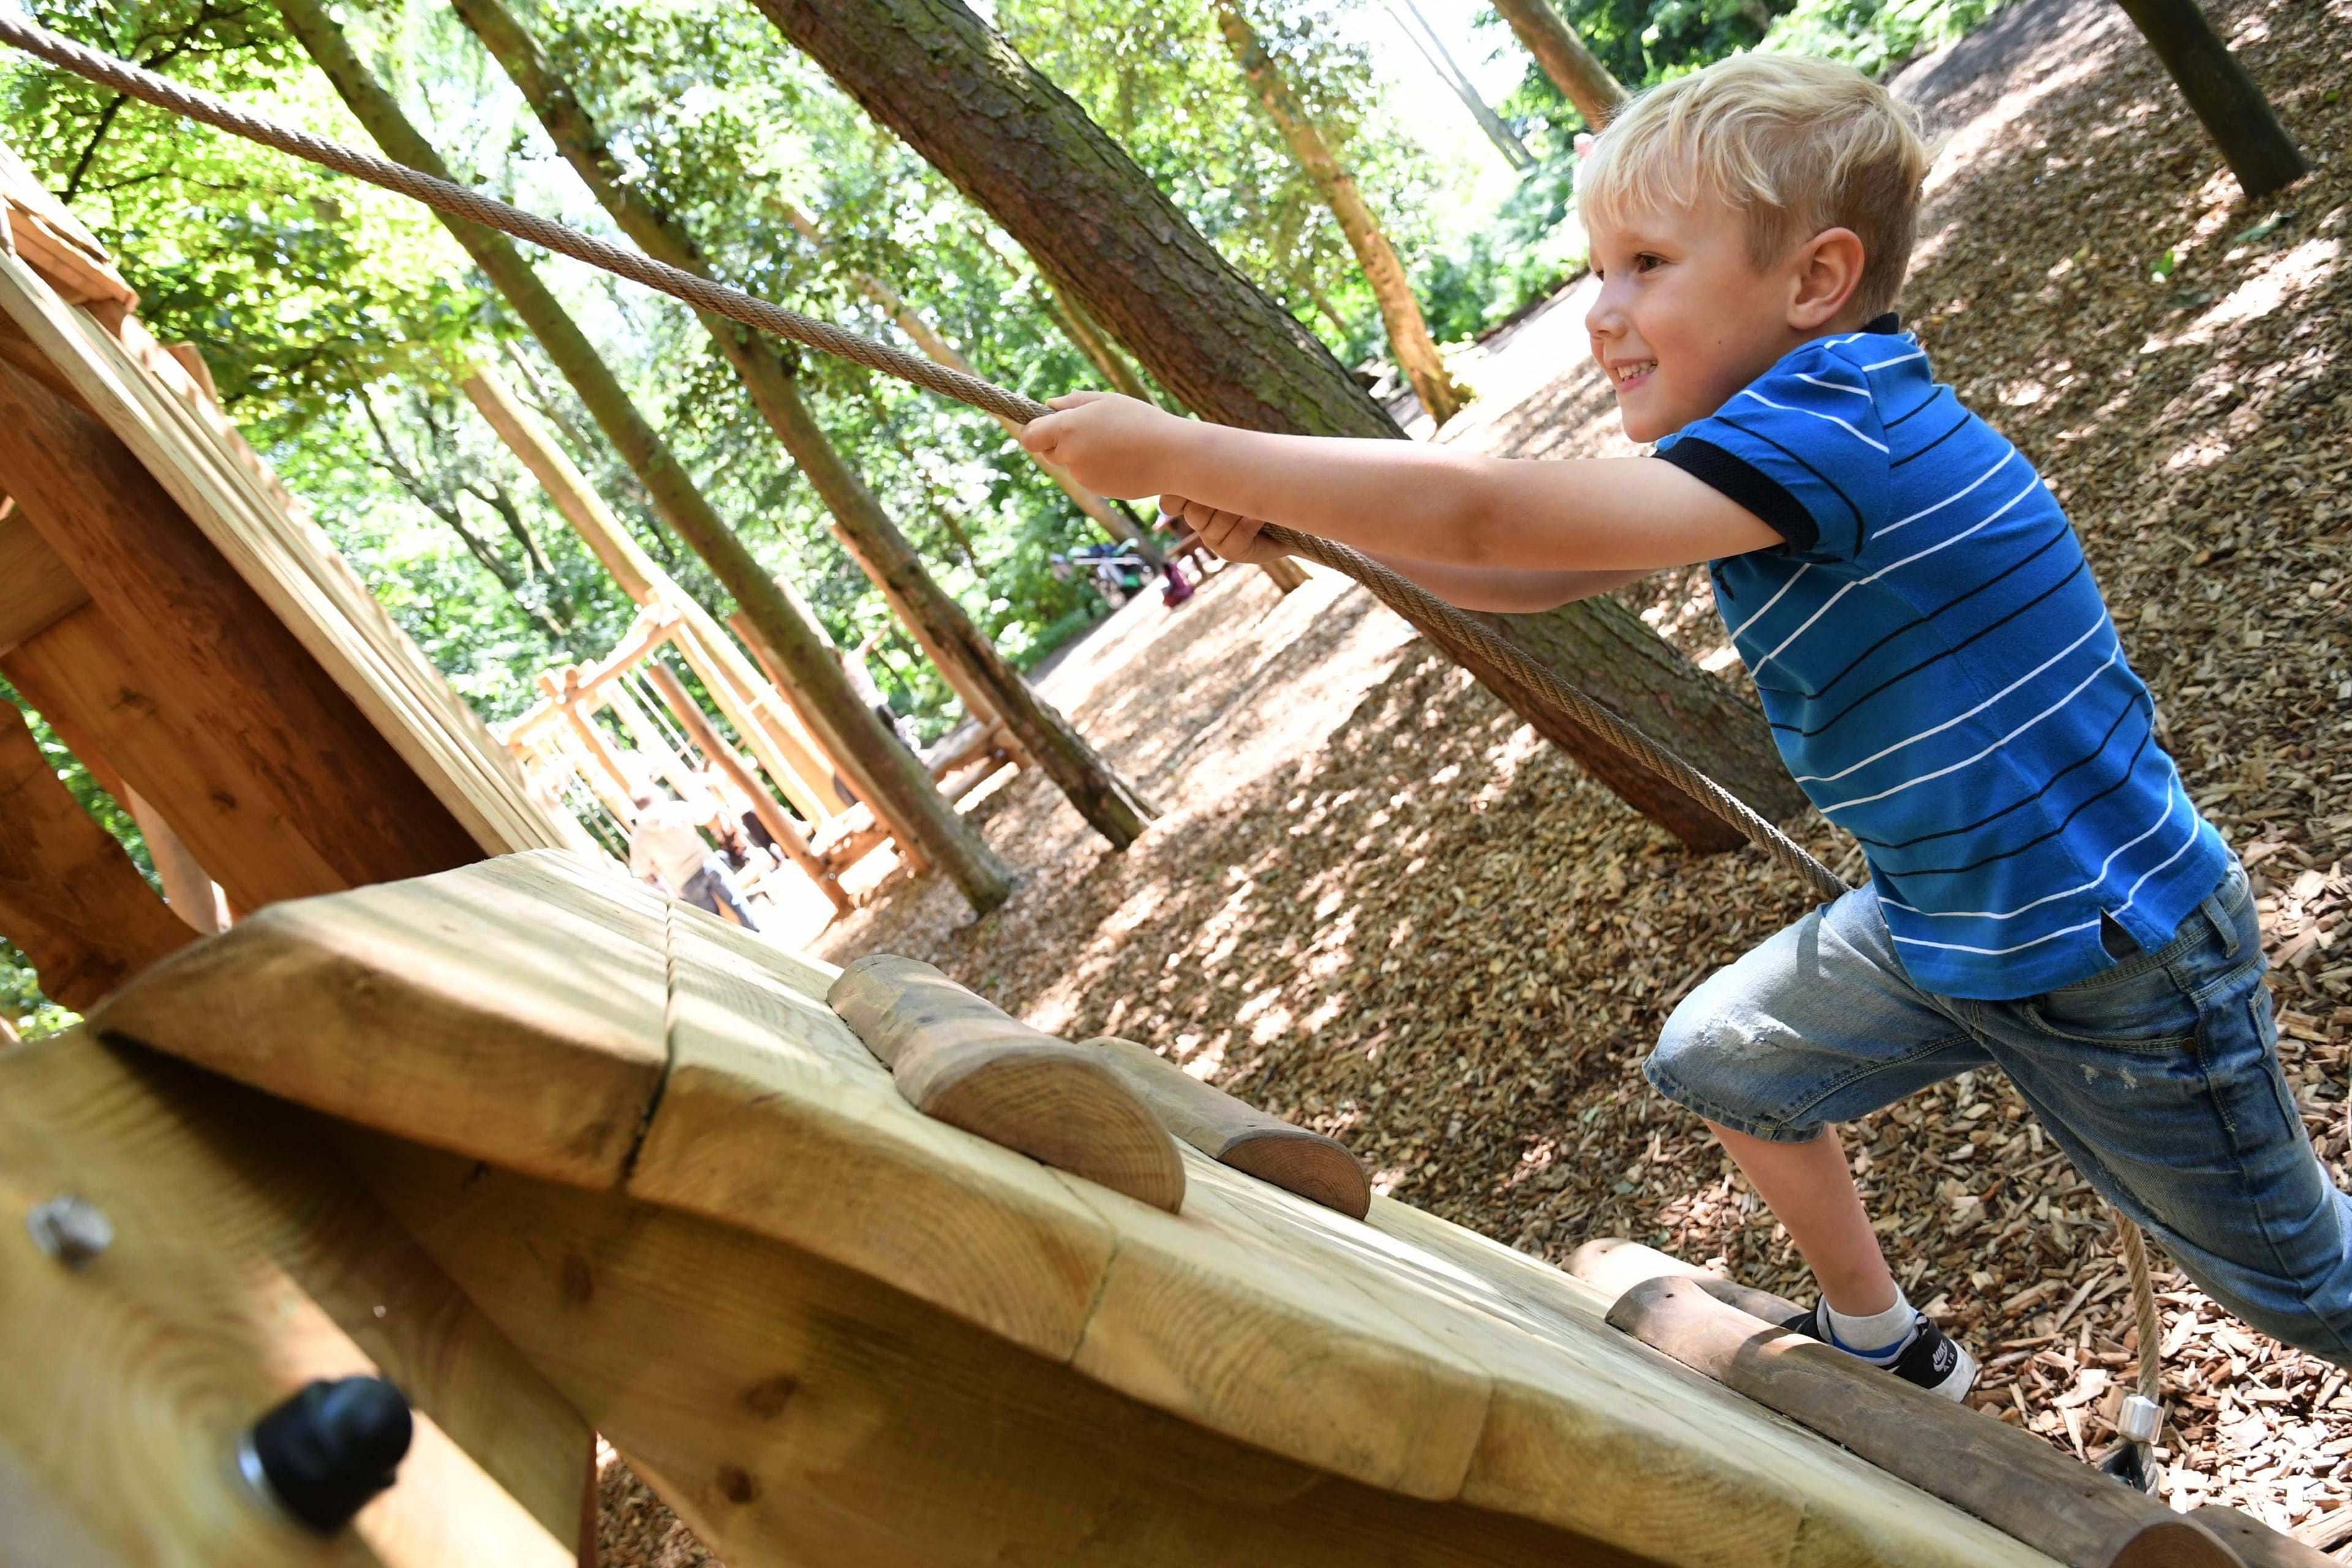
x: 1404, y: 596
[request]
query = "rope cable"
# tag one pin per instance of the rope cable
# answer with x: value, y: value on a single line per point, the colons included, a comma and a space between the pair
x: 1400, y: 593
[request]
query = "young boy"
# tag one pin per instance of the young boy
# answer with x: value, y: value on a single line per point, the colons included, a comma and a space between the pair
x: 1942, y: 677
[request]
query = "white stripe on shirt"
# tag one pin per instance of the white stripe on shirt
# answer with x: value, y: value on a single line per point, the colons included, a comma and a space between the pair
x: 1883, y: 570
x: 1988, y: 750
x: 1947, y: 500
x: 1861, y: 392
x: 1898, y: 359
x: 2092, y: 631
x: 2173, y: 800
x: 1830, y: 419
x: 1771, y: 602
x: 1994, y: 951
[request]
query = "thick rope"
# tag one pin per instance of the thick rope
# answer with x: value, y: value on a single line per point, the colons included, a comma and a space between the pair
x: 1407, y: 598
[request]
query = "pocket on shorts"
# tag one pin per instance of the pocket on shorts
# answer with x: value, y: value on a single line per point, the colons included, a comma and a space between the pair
x: 2144, y: 1012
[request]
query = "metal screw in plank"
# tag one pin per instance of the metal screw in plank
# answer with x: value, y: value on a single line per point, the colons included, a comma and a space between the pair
x: 71, y: 1230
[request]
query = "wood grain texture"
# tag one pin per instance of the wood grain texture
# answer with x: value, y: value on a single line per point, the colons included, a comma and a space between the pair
x: 246, y: 1262
x: 1994, y: 1471
x: 1233, y: 1132
x: 1402, y: 1356
x: 69, y: 897
x: 289, y: 757
x: 960, y: 1058
x: 36, y: 588
x: 224, y: 497
x: 775, y: 1118
x: 512, y: 1010
x: 801, y: 1412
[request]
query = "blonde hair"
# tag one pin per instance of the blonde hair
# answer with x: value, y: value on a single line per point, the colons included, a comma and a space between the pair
x: 1796, y: 144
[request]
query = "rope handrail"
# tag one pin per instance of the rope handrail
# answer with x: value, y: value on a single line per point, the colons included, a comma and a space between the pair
x: 1407, y: 598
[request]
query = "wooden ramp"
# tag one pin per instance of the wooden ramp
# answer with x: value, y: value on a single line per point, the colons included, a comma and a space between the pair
x: 832, y: 1331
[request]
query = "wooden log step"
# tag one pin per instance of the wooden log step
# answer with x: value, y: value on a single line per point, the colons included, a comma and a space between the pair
x: 1613, y: 1265
x: 1234, y: 1132
x: 2001, y: 1475
x: 956, y: 1057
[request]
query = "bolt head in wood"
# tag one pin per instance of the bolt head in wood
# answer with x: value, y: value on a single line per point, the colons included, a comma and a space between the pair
x: 71, y: 1230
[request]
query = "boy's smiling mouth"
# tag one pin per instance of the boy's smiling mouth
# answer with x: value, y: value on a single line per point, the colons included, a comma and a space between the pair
x: 1627, y: 373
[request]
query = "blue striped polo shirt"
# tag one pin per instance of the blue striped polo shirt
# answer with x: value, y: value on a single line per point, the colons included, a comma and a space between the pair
x: 1941, y: 674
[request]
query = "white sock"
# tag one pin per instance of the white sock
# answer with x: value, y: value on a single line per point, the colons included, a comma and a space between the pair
x: 1875, y: 1336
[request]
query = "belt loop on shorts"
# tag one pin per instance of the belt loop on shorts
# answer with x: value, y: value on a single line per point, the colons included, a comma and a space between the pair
x: 2223, y: 926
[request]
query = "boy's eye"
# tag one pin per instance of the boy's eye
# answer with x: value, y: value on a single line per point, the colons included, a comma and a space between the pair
x: 1647, y: 261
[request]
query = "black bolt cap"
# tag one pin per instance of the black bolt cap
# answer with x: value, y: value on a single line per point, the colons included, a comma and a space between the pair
x: 329, y: 1449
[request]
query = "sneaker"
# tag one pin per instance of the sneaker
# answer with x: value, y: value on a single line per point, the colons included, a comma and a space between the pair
x: 1929, y: 1360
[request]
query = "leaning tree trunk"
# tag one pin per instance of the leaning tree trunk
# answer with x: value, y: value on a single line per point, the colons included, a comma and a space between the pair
x: 959, y: 95
x: 1579, y: 74
x: 989, y: 685
x: 2236, y: 114
x: 1416, y: 352
x: 891, y: 780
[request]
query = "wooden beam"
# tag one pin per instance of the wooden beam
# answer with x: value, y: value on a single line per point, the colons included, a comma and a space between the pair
x: 959, y: 1058
x: 612, y: 781
x: 788, y: 750
x: 1426, y: 1364
x: 1995, y: 1472
x: 246, y: 1261
x: 196, y: 690
x: 69, y: 897
x: 37, y: 589
x: 1233, y: 1132
x: 787, y: 833
x: 517, y: 1004
x: 784, y: 1379
x: 189, y: 890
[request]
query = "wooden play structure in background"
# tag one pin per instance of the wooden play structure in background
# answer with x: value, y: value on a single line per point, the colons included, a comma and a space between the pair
x: 455, y: 1102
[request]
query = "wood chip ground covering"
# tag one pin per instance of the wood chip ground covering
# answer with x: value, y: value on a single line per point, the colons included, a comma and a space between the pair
x: 1380, y: 907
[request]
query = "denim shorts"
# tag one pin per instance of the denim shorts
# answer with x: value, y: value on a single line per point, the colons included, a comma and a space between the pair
x: 2157, y: 1076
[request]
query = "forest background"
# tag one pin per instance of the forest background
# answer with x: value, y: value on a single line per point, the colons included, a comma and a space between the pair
x: 338, y: 321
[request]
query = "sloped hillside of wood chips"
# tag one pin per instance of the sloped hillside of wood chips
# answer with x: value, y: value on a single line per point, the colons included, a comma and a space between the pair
x: 1380, y: 907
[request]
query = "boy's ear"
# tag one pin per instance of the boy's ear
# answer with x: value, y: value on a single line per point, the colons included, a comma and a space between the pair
x: 1825, y: 271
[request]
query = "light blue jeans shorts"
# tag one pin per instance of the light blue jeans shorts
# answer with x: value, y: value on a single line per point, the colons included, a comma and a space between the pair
x: 2158, y: 1077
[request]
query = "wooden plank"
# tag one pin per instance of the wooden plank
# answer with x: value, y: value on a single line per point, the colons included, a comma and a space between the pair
x: 155, y: 410
x: 37, y: 589
x: 1403, y: 1353
x: 1233, y: 1132
x: 306, y: 763
x: 803, y: 1413
x: 511, y: 1010
x: 1992, y: 1471
x: 244, y: 1262
x: 774, y: 1117
x: 959, y: 1058
x: 189, y: 890
x: 69, y: 897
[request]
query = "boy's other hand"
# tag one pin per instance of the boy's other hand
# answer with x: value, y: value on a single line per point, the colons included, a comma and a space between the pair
x: 1114, y: 446
x: 1233, y: 537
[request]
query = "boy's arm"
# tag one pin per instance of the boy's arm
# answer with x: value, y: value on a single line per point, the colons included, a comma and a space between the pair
x: 1506, y: 590
x: 1402, y: 498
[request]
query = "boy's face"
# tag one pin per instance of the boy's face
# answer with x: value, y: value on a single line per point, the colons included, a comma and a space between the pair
x: 1685, y: 319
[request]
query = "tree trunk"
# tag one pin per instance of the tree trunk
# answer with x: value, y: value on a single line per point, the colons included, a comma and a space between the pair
x: 1579, y: 74
x: 2235, y: 113
x: 1098, y: 228
x: 1416, y: 353
x: 990, y: 687
x: 891, y: 781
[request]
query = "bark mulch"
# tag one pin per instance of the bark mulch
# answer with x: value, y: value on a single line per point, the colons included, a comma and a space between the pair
x: 1380, y: 907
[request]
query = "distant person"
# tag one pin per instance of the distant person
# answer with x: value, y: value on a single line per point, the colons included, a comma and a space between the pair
x: 666, y: 850
x: 1941, y: 675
